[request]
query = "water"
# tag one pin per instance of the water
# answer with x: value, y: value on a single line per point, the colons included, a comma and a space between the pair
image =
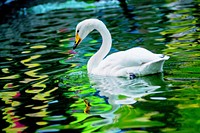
x: 45, y: 86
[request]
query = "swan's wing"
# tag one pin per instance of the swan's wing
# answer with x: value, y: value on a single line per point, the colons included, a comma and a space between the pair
x: 131, y: 57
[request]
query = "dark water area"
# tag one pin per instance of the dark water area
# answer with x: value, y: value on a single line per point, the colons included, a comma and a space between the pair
x: 45, y: 86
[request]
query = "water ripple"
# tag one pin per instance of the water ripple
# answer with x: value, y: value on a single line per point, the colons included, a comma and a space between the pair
x: 45, y: 86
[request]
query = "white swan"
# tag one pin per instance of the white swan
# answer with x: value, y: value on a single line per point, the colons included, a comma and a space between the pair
x: 132, y: 62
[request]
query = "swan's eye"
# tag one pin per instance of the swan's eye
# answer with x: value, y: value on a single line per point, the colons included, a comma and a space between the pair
x: 77, y: 31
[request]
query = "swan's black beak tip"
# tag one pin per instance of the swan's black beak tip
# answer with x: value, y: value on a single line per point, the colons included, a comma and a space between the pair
x: 75, y: 45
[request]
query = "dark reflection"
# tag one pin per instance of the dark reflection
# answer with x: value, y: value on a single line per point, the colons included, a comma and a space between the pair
x: 128, y: 12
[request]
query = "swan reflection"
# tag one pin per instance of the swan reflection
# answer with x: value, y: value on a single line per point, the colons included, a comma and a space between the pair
x: 121, y: 91
x: 124, y: 91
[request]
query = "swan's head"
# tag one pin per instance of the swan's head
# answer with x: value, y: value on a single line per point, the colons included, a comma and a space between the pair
x: 83, y: 29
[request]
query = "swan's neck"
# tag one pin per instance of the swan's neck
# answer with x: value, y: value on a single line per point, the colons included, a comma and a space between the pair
x: 104, y: 49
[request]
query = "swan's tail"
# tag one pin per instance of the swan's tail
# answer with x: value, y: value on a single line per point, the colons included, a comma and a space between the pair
x: 154, y: 66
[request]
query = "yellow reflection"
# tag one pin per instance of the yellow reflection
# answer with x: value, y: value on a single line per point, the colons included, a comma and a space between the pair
x: 5, y: 70
x: 15, y: 76
x: 14, y: 121
x: 27, y: 80
x: 42, y: 113
x: 87, y: 104
x: 64, y: 40
x: 25, y: 52
x: 9, y: 59
x: 15, y: 103
x: 39, y: 107
x: 190, y: 106
x: 29, y: 59
x: 33, y: 73
x: 34, y: 90
x: 29, y: 106
x: 41, y: 96
x: 41, y: 123
x: 39, y: 84
x: 160, y: 39
x: 7, y: 96
x: 10, y: 85
x: 168, y: 130
x: 38, y: 46
x: 14, y: 129
x: 61, y: 45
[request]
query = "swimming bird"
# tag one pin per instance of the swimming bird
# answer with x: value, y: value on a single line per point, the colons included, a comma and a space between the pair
x: 132, y: 62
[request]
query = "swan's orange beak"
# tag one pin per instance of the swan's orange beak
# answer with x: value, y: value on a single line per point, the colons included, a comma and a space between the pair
x: 77, y: 41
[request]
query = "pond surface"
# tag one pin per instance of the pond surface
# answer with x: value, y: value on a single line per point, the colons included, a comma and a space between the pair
x: 45, y: 86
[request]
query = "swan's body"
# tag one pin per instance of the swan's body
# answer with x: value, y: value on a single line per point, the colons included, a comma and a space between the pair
x: 134, y: 61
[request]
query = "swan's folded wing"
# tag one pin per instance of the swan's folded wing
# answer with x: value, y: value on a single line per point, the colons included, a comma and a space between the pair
x: 131, y: 57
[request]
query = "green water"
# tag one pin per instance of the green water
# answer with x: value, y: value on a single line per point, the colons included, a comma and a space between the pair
x: 45, y: 86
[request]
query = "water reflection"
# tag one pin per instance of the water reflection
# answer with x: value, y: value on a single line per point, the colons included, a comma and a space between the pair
x: 73, y: 4
x: 45, y: 87
x: 122, y: 91
x: 125, y: 91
